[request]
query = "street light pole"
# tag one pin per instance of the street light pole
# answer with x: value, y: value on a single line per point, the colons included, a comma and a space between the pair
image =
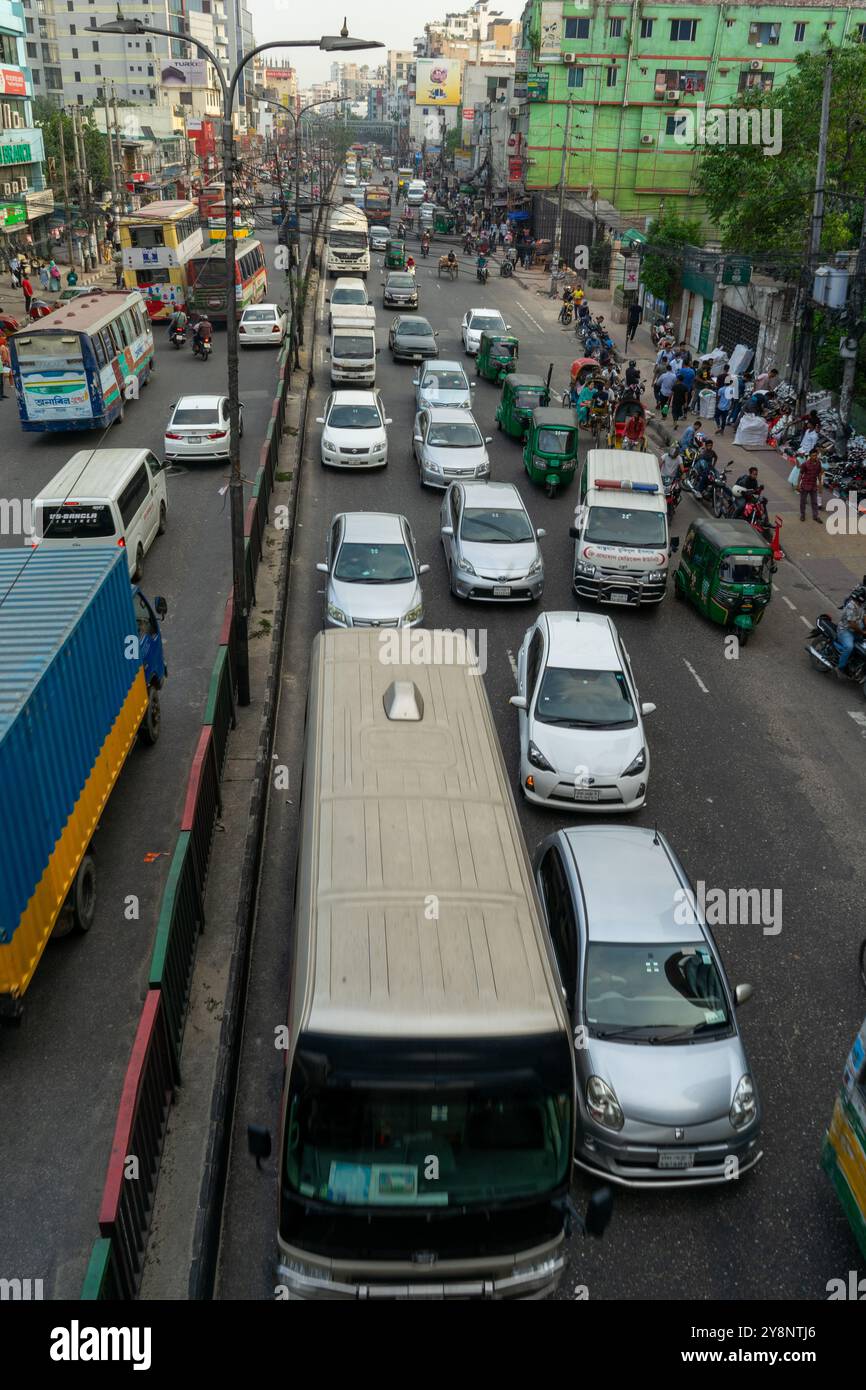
x: 329, y: 43
x: 563, y: 174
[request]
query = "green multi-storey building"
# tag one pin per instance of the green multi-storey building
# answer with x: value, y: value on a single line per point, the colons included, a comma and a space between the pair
x: 620, y: 85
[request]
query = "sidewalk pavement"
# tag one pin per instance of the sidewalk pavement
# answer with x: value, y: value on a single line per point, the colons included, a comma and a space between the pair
x: 833, y: 563
x: 12, y: 301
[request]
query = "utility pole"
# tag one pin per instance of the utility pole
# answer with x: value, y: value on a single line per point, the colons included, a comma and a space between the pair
x: 70, y: 244
x: 807, y: 332
x: 108, y: 135
x: 563, y: 171
x: 856, y: 302
x: 121, y: 181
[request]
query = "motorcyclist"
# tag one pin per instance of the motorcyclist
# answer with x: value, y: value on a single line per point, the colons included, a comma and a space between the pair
x: 481, y: 265
x: 425, y: 243
x: 632, y: 374
x: 707, y: 459
x: 177, y: 322
x: 410, y: 264
x: 202, y: 333
x: 671, y: 463
x: 851, y: 625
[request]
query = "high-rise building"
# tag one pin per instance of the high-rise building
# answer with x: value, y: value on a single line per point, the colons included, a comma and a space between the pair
x: 25, y: 202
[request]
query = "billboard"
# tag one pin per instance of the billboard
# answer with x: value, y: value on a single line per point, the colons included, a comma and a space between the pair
x: 13, y: 82
x: 184, y: 72
x: 437, y: 81
x: 552, y: 31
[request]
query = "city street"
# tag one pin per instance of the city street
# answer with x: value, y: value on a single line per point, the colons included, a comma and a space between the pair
x: 756, y: 780
x: 61, y: 1071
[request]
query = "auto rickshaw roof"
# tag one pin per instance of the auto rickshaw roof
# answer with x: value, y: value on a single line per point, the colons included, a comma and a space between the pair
x: 555, y: 417
x: 524, y: 381
x: 726, y: 534
x: 495, y: 338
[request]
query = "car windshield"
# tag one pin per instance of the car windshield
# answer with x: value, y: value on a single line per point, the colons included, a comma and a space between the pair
x: 349, y: 296
x: 352, y: 345
x: 526, y: 400
x: 259, y: 315
x: 489, y: 323
x: 195, y: 415
x: 502, y: 352
x: 584, y: 699
x: 354, y: 417
x: 403, y: 1126
x: 439, y: 380
x: 554, y: 441
x: 363, y: 563
x: 414, y: 328
x: 745, y: 569
x: 490, y: 527
x: 465, y: 435
x: 401, y: 282
x: 658, y: 991
x: 616, y: 526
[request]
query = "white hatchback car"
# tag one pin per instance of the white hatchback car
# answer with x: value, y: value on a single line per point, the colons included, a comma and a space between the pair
x: 478, y: 321
x: 198, y: 427
x: 263, y: 325
x: 354, y: 431
x: 582, y: 740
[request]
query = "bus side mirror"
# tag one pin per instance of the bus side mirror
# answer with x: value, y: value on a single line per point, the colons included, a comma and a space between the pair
x: 574, y: 533
x: 259, y: 1143
x: 160, y: 607
x: 675, y: 544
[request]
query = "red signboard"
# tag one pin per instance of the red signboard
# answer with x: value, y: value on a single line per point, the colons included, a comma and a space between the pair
x: 469, y: 113
x: 12, y: 82
x: 515, y: 170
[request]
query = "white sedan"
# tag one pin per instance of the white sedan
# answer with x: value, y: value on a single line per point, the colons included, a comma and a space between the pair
x: 263, y: 325
x: 198, y: 427
x: 354, y: 431
x: 582, y: 739
x: 478, y: 321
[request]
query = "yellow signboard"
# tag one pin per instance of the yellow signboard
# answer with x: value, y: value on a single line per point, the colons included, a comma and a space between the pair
x: 437, y: 81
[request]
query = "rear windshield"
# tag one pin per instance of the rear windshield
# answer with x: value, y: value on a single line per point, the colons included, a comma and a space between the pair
x: 75, y: 522
x: 66, y: 346
x: 194, y: 415
x: 259, y: 316
x: 349, y: 296
x: 208, y: 274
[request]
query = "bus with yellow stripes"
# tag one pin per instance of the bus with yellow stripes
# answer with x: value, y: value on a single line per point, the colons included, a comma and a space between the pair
x: 156, y: 244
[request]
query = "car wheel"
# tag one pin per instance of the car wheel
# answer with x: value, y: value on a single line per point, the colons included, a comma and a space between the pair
x: 139, y: 564
x: 162, y: 520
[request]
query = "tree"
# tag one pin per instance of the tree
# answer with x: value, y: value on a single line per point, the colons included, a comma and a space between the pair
x: 47, y: 116
x: 763, y: 202
x: 454, y: 139
x: 668, y: 235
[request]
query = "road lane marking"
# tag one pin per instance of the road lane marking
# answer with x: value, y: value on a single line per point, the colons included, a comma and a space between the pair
x: 689, y: 667
x: 539, y: 326
x: 858, y: 716
x: 785, y: 599
x: 513, y: 664
x: 806, y: 621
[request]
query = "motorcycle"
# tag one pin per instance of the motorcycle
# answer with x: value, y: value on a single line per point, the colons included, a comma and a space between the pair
x: 715, y: 479
x: 468, y: 244
x: 661, y: 328
x: 178, y: 337
x: 482, y: 273
x: 566, y: 313
x: 673, y: 492
x: 753, y: 509
x: 825, y: 654
x: 506, y: 268
x: 201, y: 347
x: 425, y: 246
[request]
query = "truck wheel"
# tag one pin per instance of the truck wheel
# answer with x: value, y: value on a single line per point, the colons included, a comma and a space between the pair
x: 82, y: 895
x: 151, y: 723
x: 139, y: 563
x: 162, y: 520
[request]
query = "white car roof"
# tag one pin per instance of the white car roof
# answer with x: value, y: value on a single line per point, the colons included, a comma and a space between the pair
x: 441, y: 364
x: 449, y: 414
x: 502, y: 495
x: 349, y: 282
x: 582, y: 642
x: 384, y: 527
x: 356, y: 398
x: 199, y: 402
x: 276, y: 308
x: 487, y: 311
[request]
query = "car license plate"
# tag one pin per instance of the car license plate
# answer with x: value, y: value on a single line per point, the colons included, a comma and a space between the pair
x: 586, y: 794
x: 502, y: 591
x: 676, y: 1160
x: 619, y: 598
x: 194, y: 439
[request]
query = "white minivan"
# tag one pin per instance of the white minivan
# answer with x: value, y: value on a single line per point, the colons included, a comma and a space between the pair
x: 104, y: 497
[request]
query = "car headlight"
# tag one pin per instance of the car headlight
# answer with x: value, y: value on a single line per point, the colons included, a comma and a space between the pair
x: 328, y: 447
x: 744, y: 1106
x: 414, y: 614
x: 537, y: 758
x: 602, y: 1104
x: 465, y: 567
x: 582, y: 568
x: 337, y: 615
x: 536, y: 567
x: 654, y: 576
x: 482, y: 468
x: 637, y: 765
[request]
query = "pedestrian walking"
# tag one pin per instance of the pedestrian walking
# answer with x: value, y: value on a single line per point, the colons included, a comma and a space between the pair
x: 15, y: 271
x: 118, y: 276
x: 44, y: 278
x: 663, y: 388
x: 724, y: 399
x: 71, y: 277
x: 811, y: 477
x: 54, y: 272
x: 5, y: 366
x: 679, y: 399
x: 27, y: 290
x: 635, y: 314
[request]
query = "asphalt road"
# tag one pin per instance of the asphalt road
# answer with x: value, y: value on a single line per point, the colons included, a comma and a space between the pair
x: 61, y: 1072
x: 756, y: 780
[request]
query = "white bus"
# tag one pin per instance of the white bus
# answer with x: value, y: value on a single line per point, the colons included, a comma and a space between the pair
x: 348, y: 248
x: 429, y: 1103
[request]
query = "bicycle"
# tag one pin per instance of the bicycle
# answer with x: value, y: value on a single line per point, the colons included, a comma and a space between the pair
x: 599, y: 420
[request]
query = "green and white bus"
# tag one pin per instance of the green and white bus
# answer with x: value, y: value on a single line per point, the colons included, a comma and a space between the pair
x: 208, y: 286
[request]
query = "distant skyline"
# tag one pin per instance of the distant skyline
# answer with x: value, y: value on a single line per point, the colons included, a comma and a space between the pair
x: 395, y: 24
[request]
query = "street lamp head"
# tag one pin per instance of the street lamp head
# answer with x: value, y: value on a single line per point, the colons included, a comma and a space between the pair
x: 122, y: 26
x: 344, y: 43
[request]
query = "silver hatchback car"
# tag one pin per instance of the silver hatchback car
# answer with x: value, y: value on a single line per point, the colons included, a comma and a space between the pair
x: 491, y: 548
x: 665, y: 1094
x: 447, y: 444
x: 374, y: 578
x: 443, y: 383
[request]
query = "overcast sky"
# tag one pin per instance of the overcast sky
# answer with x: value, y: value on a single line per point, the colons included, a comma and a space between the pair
x: 395, y: 22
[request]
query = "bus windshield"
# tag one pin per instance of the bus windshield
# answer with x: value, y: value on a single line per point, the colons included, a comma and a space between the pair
x: 65, y: 346
x: 395, y: 1123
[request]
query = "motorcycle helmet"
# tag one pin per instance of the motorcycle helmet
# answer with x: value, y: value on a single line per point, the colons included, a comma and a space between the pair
x: 859, y: 594
x: 632, y: 362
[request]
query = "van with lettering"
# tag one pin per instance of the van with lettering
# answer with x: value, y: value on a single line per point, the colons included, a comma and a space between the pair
x: 622, y: 546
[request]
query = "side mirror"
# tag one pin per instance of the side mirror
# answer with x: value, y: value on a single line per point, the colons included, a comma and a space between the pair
x: 322, y: 567
x: 742, y: 994
x: 518, y: 701
x: 675, y: 544
x: 647, y: 708
x: 488, y: 439
x: 574, y: 533
x: 259, y: 1142
x: 447, y: 530
x: 423, y: 569
x: 540, y: 531
x: 388, y: 420
x: 378, y: 350
x: 417, y: 439
x: 160, y: 607
x: 472, y: 385
x: 320, y: 419
x: 327, y: 299
x: 416, y: 381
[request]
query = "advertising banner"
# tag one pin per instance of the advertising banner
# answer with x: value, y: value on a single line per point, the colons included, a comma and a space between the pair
x: 437, y: 81
x: 552, y: 30
x: 184, y: 72
x: 12, y: 214
x: 536, y: 87
x: 46, y: 392
x: 469, y: 113
x: 13, y: 83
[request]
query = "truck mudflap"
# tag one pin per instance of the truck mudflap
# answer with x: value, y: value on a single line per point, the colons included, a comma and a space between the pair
x: 20, y: 953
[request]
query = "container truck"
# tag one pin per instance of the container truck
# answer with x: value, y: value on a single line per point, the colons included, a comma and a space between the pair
x: 81, y: 668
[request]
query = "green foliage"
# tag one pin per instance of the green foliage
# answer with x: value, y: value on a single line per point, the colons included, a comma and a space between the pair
x: 829, y: 366
x: 454, y: 139
x: 660, y: 268
x: 95, y: 146
x: 763, y: 202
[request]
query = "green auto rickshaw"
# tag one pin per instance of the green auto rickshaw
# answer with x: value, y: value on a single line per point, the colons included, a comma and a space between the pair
x: 725, y: 570
x: 444, y: 222
x: 395, y: 254
x: 550, y: 447
x: 497, y: 356
x: 521, y: 393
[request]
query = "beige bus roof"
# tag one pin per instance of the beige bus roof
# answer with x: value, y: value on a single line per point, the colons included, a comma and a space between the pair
x: 414, y: 877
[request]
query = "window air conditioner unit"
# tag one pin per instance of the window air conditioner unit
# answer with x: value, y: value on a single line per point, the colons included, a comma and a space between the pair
x: 569, y: 57
x: 514, y: 110
x: 756, y: 65
x: 7, y: 190
x: 647, y: 139
x: 673, y: 94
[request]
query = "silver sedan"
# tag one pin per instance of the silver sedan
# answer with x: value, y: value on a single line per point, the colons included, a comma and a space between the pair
x: 491, y: 548
x: 447, y: 444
